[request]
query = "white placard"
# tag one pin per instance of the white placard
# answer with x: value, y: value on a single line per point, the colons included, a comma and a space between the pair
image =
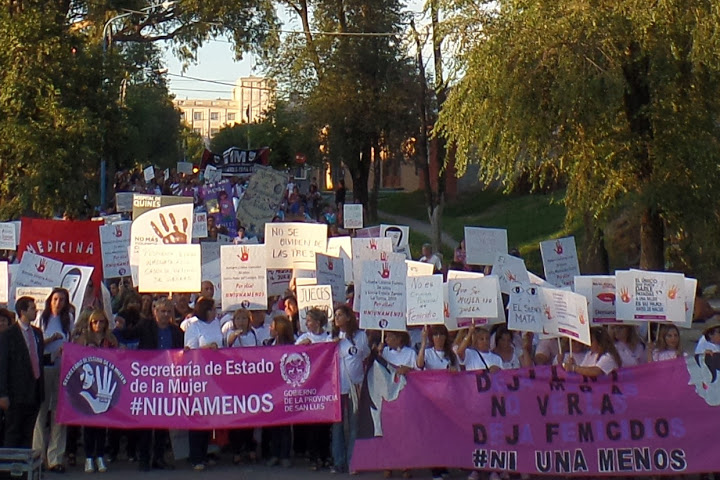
x: 244, y: 283
x: 383, y: 296
x: 107, y: 304
x: 185, y: 167
x: 315, y: 296
x: 509, y: 270
x: 39, y: 294
x: 362, y: 249
x: 370, y: 255
x: 450, y: 322
x: 399, y: 234
x: 525, y: 312
x: 169, y: 268
x: 224, y: 239
x: 599, y: 290
x: 474, y: 297
x: 37, y: 271
x: 425, y: 302
x: 342, y: 247
x: 112, y: 219
x: 4, y: 283
x: 7, y: 236
x: 114, y: 245
x: 212, y: 174
x: 650, y: 296
x: 199, y: 229
x: 124, y: 201
x: 296, y: 244
x: 278, y: 281
x: 417, y: 269
x: 211, y: 273
x: 149, y: 173
x: 690, y: 289
x: 166, y: 174
x: 481, y: 244
x: 560, y: 261
x: 466, y: 322
x: 18, y: 228
x: 567, y: 314
x: 330, y: 271
x: 352, y: 215
x: 75, y: 279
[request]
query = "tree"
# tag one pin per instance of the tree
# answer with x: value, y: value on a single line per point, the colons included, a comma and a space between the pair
x: 618, y: 98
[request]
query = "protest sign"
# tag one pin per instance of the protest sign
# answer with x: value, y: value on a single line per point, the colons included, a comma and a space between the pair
x: 567, y: 314
x: 169, y: 268
x: 364, y: 255
x: 38, y: 294
x: 525, y: 311
x: 217, y: 198
x: 4, y: 282
x: 369, y: 232
x: 18, y: 229
x: 416, y: 269
x: 509, y: 271
x: 212, y: 174
x: 690, y: 289
x: 278, y: 280
x: 650, y: 296
x: 646, y: 420
x: 114, y: 244
x: 236, y: 161
x: 294, y: 244
x: 149, y: 174
x: 244, y: 283
x: 478, y: 321
x: 36, y: 271
x: 599, y: 290
x: 75, y: 279
x: 185, y: 167
x: 225, y: 239
x: 315, y: 296
x: 7, y: 236
x: 199, y: 389
x: 124, y: 201
x: 481, y: 244
x: 560, y: 261
x: 262, y: 199
x: 210, y: 268
x: 342, y: 247
x: 352, y: 215
x: 361, y: 248
x: 199, y: 229
x: 400, y: 235
x: 450, y: 322
x: 425, y: 303
x: 144, y: 203
x: 330, y: 271
x: 382, y: 304
x: 111, y: 219
x: 473, y: 297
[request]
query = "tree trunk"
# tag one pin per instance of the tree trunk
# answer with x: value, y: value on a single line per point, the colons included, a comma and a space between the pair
x: 435, y: 216
x: 594, y: 255
x: 652, y: 238
x: 360, y: 176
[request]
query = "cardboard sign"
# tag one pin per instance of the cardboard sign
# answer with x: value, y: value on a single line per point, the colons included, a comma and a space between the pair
x: 370, y: 255
x: 330, y: 271
x: 599, y: 290
x: 261, y: 200
x: 482, y: 244
x: 560, y: 261
x: 212, y: 174
x: 244, y: 284
x: 479, y: 321
x: 7, y: 236
x: 185, y: 167
x: 75, y: 279
x: 38, y: 294
x: 114, y: 243
x: 650, y: 296
x: 567, y: 314
x: 38, y: 271
x: 417, y: 269
x: 315, y: 296
x: 690, y: 288
x: 382, y: 304
x: 525, y: 311
x: 4, y: 282
x: 124, y: 201
x: 352, y: 215
x: 341, y: 247
x: 369, y: 232
x: 149, y: 174
x: 425, y: 302
x: 278, y: 281
x: 400, y: 236
x: 290, y: 244
x: 509, y: 270
x: 169, y: 268
x: 473, y: 297
x: 361, y: 248
x: 199, y: 229
x: 218, y: 200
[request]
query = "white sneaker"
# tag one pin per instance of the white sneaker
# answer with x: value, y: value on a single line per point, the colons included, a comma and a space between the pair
x: 100, y: 462
x: 474, y: 475
x: 89, y: 465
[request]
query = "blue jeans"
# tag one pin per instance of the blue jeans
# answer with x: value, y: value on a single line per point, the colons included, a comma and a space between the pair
x: 343, y: 435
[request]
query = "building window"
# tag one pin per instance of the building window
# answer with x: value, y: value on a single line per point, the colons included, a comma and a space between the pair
x: 198, y: 131
x: 231, y: 117
x: 214, y: 131
x: 214, y: 116
x: 197, y: 115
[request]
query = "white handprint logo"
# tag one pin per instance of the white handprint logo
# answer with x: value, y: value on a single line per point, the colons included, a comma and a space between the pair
x: 102, y: 377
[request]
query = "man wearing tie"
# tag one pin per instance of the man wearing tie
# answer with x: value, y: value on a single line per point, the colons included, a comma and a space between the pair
x: 21, y: 375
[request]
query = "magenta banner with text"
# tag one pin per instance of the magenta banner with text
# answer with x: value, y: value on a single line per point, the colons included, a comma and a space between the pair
x: 199, y: 389
x: 655, y: 419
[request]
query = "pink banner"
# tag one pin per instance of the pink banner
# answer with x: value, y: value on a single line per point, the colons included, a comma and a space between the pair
x: 648, y: 420
x: 199, y: 389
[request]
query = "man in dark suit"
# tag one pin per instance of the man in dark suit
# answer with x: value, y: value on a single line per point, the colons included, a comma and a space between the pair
x: 21, y: 375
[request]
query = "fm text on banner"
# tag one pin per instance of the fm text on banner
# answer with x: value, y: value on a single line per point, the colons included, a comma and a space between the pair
x: 199, y: 389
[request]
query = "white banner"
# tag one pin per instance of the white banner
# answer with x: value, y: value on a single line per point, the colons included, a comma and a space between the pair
x: 315, y: 296
x: 352, y: 215
x: 599, y: 290
x: 199, y: 229
x: 114, y: 244
x: 7, y: 236
x: 650, y: 296
x: 330, y: 271
x: 244, y: 283
x: 560, y: 261
x: 278, y: 281
x: 481, y: 244
x: 383, y: 296
x: 291, y: 244
x: 5, y: 284
x: 509, y: 270
x: 567, y: 314
x: 425, y: 302
x: 417, y: 269
x: 149, y: 173
x: 342, y: 247
x: 169, y: 268
x: 474, y: 297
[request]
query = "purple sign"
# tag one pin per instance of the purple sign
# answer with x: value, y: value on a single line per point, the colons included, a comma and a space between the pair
x: 218, y: 201
x: 199, y: 389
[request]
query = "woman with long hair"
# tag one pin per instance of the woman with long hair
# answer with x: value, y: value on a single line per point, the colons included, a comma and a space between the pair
x: 97, y: 335
x: 628, y: 344
x: 512, y: 356
x: 668, y: 345
x: 56, y: 323
x: 281, y: 333
x: 602, y: 358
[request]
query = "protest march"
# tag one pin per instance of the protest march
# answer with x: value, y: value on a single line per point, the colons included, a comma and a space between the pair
x: 244, y: 316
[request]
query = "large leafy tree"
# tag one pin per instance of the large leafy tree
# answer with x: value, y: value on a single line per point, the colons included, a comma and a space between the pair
x: 618, y: 97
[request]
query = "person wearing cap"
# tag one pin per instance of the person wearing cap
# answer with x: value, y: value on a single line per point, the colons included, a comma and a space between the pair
x: 709, y: 343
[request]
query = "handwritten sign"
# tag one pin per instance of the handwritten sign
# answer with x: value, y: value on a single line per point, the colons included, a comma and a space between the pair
x: 185, y: 167
x: 425, y: 303
x: 291, y: 244
x: 244, y: 284
x: 416, y: 269
x: 567, y: 314
x: 278, y: 280
x: 124, y: 201
x: 560, y: 261
x: 7, y: 236
x: 315, y: 296
x: 38, y: 294
x: 199, y: 229
x: 169, y: 268
x: 499, y: 316
x: 4, y: 282
x: 341, y: 247
x: 353, y: 215
x: 599, y: 290
x: 525, y: 311
x: 473, y: 297
x: 114, y: 245
x: 361, y: 251
x: 650, y: 296
x: 149, y: 174
x: 509, y: 270
x: 330, y: 271
x: 368, y: 232
x: 212, y: 174
x: 261, y: 200
x: 382, y: 304
x: 481, y: 244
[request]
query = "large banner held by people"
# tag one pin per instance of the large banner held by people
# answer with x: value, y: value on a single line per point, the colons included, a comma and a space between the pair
x: 544, y: 420
x: 199, y: 389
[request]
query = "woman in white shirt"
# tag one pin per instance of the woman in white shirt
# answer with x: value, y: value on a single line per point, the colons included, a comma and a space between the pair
x: 480, y: 357
x: 628, y: 345
x: 511, y: 355
x: 203, y: 333
x: 668, y: 345
x: 602, y: 358
x: 353, y: 350
x: 315, y: 320
x: 709, y: 343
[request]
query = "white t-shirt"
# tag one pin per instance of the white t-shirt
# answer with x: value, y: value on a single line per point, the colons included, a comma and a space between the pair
x: 659, y: 356
x: 352, y: 357
x: 435, y: 359
x: 703, y: 345
x: 405, y: 357
x: 606, y: 362
x: 262, y: 333
x: 186, y: 323
x: 578, y: 357
x: 54, y: 326
x: 314, y: 337
x: 631, y: 357
x: 249, y: 339
x: 547, y: 347
x: 474, y: 360
x: 432, y: 259
x: 201, y: 334
x: 511, y: 364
